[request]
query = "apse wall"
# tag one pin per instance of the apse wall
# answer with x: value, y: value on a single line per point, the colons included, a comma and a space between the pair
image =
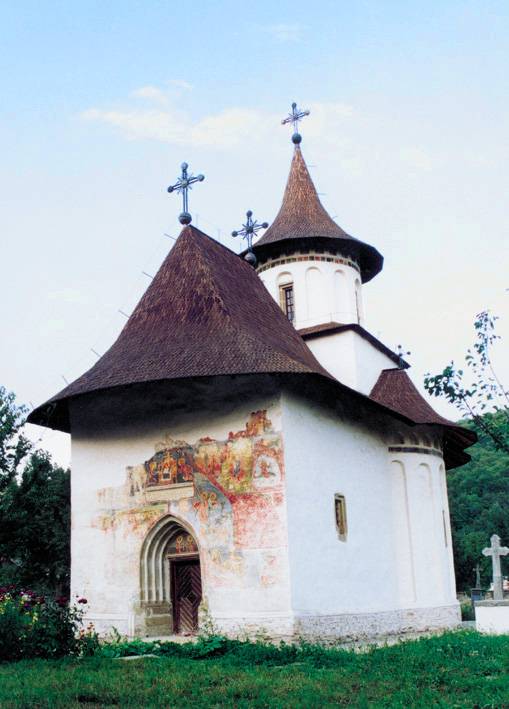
x: 327, y: 287
x: 393, y: 571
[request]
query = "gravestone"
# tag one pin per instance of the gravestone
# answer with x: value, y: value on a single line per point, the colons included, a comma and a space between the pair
x: 492, y: 616
x: 477, y: 593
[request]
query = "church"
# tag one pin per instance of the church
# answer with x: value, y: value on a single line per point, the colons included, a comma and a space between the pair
x: 248, y: 458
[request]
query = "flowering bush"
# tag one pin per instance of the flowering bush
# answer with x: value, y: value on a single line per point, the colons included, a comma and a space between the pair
x: 32, y: 625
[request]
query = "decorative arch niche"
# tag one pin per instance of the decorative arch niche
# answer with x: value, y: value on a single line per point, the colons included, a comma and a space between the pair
x: 341, y: 304
x: 315, y: 292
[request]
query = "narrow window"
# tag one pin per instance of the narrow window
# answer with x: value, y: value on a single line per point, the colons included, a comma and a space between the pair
x: 340, y: 514
x: 358, y: 303
x: 287, y: 301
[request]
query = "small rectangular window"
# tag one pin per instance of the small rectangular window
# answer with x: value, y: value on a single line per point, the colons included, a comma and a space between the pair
x: 287, y: 301
x: 340, y: 513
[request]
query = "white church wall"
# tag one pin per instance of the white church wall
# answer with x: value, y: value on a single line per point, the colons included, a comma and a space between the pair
x: 325, y: 456
x: 236, y: 512
x: 350, y: 359
x: 325, y: 287
x: 387, y: 577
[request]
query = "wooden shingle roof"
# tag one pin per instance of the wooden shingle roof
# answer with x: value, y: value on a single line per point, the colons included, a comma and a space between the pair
x: 205, y: 313
x: 303, y: 221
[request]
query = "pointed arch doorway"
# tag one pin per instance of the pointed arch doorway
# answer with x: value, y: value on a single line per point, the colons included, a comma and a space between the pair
x: 171, y: 588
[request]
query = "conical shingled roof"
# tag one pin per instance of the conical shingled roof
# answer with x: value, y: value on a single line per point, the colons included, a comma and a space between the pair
x: 205, y: 313
x: 302, y: 217
x: 395, y: 390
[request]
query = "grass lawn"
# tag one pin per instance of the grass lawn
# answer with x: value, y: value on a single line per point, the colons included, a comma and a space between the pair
x: 461, y: 669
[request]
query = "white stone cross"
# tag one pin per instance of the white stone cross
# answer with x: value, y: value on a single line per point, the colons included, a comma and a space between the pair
x: 496, y: 551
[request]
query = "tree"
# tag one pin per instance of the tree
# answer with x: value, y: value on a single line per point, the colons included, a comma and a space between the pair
x: 34, y: 508
x: 14, y: 446
x: 479, y: 490
x: 485, y: 392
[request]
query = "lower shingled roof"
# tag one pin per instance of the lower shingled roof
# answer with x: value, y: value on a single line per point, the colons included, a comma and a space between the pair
x: 395, y: 390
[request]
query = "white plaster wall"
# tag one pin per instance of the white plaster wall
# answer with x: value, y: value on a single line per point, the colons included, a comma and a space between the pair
x: 394, y: 557
x: 324, y: 291
x: 106, y: 562
x: 351, y: 359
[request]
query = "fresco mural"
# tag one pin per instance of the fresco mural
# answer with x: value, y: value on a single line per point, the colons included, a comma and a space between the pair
x: 229, y: 491
x: 182, y: 544
x: 170, y: 467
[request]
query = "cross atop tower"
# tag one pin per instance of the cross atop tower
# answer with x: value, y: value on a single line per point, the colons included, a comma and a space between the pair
x: 294, y: 117
x: 496, y: 551
x: 182, y: 186
x: 249, y: 229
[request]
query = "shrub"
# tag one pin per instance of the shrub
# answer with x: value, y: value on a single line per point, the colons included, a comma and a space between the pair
x: 34, y: 626
x: 467, y: 610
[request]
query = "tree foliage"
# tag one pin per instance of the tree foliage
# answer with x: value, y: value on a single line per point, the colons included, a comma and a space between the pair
x: 483, y: 392
x: 479, y: 502
x: 34, y: 508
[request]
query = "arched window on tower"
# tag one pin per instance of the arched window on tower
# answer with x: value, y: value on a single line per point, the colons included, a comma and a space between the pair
x: 287, y: 296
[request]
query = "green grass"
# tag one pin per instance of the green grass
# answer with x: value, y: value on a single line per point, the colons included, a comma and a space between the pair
x: 461, y: 669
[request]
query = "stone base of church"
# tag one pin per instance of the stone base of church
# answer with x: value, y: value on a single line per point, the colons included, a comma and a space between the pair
x: 345, y: 627
x: 353, y: 627
x: 155, y: 620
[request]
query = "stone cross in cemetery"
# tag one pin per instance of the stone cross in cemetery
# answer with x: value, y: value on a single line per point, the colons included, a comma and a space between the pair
x: 477, y: 576
x: 496, y: 551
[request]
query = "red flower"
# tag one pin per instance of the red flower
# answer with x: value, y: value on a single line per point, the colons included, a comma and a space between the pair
x: 82, y: 600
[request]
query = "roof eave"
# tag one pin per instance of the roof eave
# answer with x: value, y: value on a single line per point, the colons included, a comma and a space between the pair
x: 370, y: 259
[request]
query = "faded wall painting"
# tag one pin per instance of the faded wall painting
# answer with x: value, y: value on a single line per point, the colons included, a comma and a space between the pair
x: 229, y: 491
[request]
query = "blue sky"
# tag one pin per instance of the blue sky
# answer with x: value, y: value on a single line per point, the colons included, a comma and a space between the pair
x: 100, y: 103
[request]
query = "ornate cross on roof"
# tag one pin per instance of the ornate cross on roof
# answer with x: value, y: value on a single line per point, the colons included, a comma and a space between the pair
x: 249, y: 229
x: 182, y: 186
x: 294, y: 117
x: 401, y: 355
x: 496, y: 551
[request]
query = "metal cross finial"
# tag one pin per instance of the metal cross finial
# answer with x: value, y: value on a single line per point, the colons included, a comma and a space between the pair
x: 496, y: 551
x: 294, y: 117
x: 182, y: 186
x: 401, y: 353
x: 249, y: 229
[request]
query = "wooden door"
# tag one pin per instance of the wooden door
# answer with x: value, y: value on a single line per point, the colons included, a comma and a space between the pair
x: 186, y: 594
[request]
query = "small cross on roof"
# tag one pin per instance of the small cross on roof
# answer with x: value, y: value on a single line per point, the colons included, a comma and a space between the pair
x: 294, y: 117
x: 182, y: 186
x: 248, y: 231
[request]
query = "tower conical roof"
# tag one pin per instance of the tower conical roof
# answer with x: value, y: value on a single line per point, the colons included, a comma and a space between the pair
x: 302, y: 218
x: 205, y: 313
